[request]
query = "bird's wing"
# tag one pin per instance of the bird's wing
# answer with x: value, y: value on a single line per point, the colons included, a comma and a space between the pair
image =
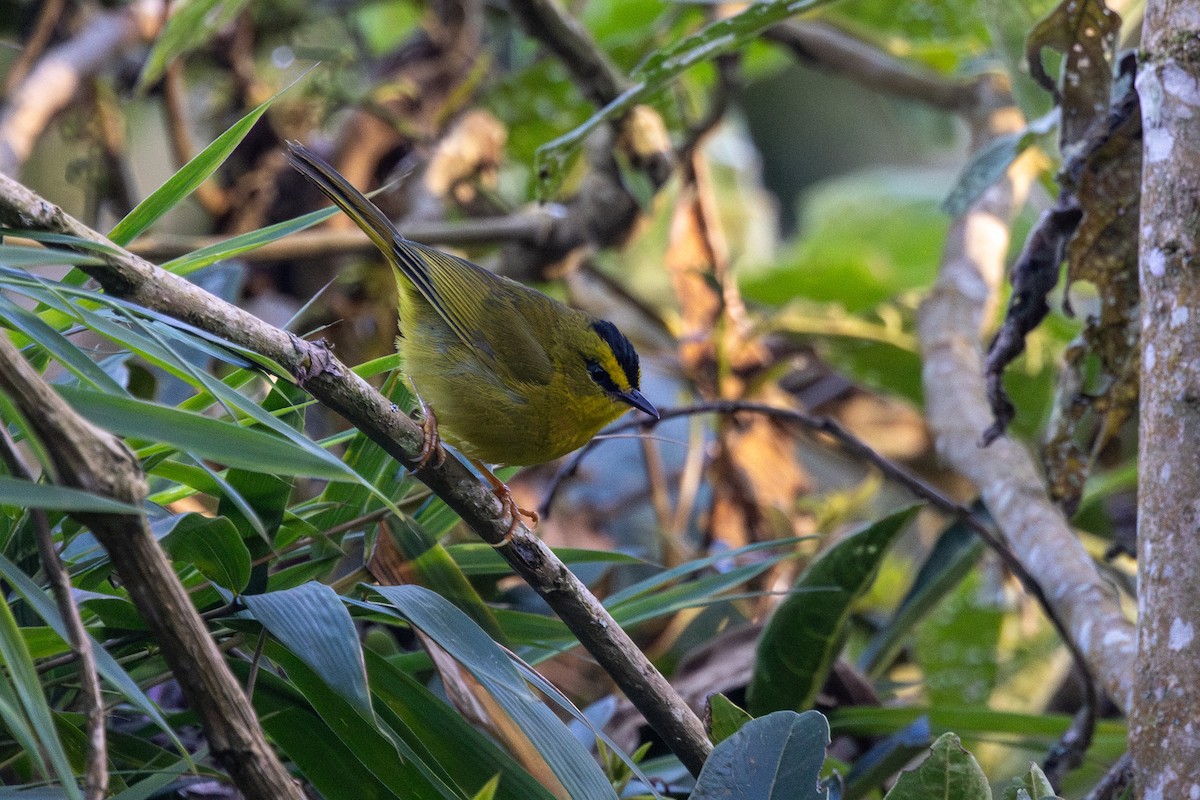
x: 488, y: 313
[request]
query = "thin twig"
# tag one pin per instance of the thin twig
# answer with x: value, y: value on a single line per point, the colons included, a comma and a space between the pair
x: 95, y: 778
x: 48, y: 19
x: 1118, y: 778
x: 211, y: 197
x: 825, y: 46
x: 860, y: 450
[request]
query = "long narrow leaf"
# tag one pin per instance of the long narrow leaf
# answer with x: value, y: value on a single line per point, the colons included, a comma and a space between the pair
x: 464, y: 641
x: 27, y: 494
x: 235, y: 246
x: 202, y: 436
x: 193, y: 173
x: 28, y: 689
x: 107, y: 666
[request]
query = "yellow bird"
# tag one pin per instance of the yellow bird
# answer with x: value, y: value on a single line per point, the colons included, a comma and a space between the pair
x: 504, y: 373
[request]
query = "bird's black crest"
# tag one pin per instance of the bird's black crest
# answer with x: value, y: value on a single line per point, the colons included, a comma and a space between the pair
x: 627, y: 357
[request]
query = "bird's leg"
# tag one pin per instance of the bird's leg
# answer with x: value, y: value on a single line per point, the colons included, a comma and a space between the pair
x: 432, y: 453
x: 509, y: 503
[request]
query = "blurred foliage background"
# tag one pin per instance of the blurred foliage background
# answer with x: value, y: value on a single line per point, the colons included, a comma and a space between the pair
x: 821, y: 203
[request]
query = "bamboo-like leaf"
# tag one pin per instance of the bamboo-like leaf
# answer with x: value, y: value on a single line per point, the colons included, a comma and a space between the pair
x: 776, y: 757
x: 106, y: 665
x: 312, y: 622
x: 202, y: 436
x: 14, y: 255
x: 235, y: 246
x: 57, y: 345
x: 49, y: 754
x: 193, y: 173
x: 803, y: 636
x: 27, y: 494
x: 464, y: 641
x: 191, y: 25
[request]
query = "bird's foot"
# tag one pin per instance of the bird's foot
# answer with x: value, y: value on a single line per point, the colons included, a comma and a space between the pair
x: 514, y: 511
x: 432, y: 453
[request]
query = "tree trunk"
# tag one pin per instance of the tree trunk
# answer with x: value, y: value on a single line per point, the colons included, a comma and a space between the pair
x: 1164, y: 728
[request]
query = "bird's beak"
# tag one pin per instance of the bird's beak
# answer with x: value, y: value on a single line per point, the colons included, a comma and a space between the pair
x: 639, y: 401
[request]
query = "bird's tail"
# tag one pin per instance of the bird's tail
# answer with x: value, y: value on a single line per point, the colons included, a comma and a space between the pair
x: 365, y: 214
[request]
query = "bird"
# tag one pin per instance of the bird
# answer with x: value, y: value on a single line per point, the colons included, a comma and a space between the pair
x: 504, y: 373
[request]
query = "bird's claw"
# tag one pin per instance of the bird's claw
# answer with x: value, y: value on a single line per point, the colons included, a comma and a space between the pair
x: 515, y: 512
x: 432, y: 453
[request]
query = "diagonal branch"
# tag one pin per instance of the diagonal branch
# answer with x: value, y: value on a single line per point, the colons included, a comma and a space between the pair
x: 949, y: 325
x: 331, y: 382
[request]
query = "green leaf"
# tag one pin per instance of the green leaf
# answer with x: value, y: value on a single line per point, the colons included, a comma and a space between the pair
x: 659, y: 69
x: 776, y: 757
x: 482, y: 559
x: 427, y: 720
x: 1034, y: 784
x: 57, y: 345
x: 388, y: 756
x: 988, y: 164
x: 948, y: 771
x: 235, y: 246
x: 19, y: 256
x: 952, y: 557
x: 191, y: 25
x: 107, y: 666
x: 193, y: 173
x: 886, y: 757
x: 204, y: 437
x: 803, y: 636
x: 724, y: 717
x: 26, y: 494
x: 466, y: 642
x: 23, y: 679
x: 213, y: 546
x: 313, y: 623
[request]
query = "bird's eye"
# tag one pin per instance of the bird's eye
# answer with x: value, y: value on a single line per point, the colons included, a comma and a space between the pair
x: 600, y: 377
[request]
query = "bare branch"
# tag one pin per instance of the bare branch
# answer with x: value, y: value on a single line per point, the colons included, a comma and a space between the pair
x: 337, y: 387
x: 825, y: 46
x: 949, y: 325
x: 88, y: 458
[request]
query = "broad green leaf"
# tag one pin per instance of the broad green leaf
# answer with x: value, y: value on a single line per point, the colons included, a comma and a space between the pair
x: 23, y: 677
x: 26, y: 494
x: 107, y: 666
x: 464, y: 641
x: 948, y: 771
x: 803, y: 636
x: 659, y: 69
x: 213, y: 546
x: 193, y: 173
x: 1034, y: 784
x: 203, y: 436
x: 313, y: 623
x: 776, y: 757
x: 957, y: 550
x: 235, y: 246
x: 724, y: 717
x: 191, y: 25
